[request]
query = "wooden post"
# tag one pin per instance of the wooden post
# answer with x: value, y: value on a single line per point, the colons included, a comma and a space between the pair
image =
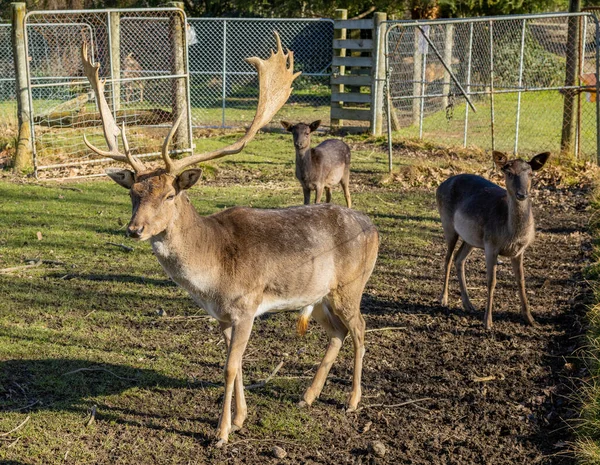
x: 568, y: 123
x: 179, y: 96
x: 24, y: 155
x: 378, y: 53
x: 115, y: 62
x: 448, y: 45
x: 340, y: 14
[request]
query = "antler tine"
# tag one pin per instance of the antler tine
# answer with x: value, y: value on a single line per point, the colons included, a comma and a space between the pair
x: 275, y: 77
x: 109, y: 126
x: 165, y: 148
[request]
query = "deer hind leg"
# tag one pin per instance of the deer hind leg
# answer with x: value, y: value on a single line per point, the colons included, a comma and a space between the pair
x: 517, y: 265
x: 346, y: 306
x: 319, y: 193
x: 337, y: 332
x: 240, y: 333
x: 241, y: 410
x: 451, y: 240
x: 491, y: 263
x: 328, y: 194
x: 345, y: 182
x: 461, y: 256
x: 306, y: 192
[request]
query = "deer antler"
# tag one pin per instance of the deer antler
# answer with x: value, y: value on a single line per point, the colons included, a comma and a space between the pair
x: 109, y: 126
x: 275, y: 77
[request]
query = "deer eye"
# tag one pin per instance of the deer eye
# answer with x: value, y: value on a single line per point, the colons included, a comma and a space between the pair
x: 171, y: 197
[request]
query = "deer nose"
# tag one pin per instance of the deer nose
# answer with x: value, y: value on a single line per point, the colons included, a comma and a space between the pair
x: 134, y: 232
x: 521, y: 196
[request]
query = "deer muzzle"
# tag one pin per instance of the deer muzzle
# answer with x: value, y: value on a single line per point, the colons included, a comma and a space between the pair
x: 135, y: 231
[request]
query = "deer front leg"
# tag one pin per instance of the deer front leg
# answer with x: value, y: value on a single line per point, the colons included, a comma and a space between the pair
x: 240, y: 333
x: 328, y: 194
x: 491, y: 263
x: 517, y: 266
x: 451, y: 243
x: 306, y: 191
x: 241, y: 411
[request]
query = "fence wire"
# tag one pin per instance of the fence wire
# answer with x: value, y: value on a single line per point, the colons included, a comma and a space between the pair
x: 512, y: 70
x: 141, y: 56
x: 8, y: 98
x: 224, y: 88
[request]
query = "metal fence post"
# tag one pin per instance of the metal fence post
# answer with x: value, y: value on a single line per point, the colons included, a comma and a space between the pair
x: 468, y: 87
x: 377, y: 90
x: 179, y: 91
x: 224, y: 78
x: 24, y: 155
x: 448, y: 48
x: 491, y: 26
x: 518, y: 118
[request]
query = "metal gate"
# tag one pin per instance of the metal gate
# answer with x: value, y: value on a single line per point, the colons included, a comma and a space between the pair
x: 142, y: 56
x: 520, y: 84
x: 224, y: 87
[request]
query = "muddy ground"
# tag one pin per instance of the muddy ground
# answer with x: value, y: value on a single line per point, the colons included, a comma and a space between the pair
x: 520, y: 414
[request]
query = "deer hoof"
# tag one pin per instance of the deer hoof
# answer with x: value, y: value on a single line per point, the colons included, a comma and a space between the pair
x: 220, y: 443
x: 303, y: 404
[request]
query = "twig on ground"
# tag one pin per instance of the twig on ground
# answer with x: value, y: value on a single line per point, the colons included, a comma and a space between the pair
x: 92, y: 416
x: 13, y: 443
x: 45, y: 262
x: 269, y: 378
x: 123, y: 246
x: 31, y: 263
x: 17, y: 427
x: 387, y: 328
x: 483, y: 379
x: 189, y: 317
x: 401, y: 404
x: 241, y: 441
x: 387, y: 203
x: 99, y: 369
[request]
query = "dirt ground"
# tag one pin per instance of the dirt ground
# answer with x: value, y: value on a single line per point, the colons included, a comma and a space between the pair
x: 520, y: 414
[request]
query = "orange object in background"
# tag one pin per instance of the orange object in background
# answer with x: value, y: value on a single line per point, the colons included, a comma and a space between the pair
x: 589, y: 81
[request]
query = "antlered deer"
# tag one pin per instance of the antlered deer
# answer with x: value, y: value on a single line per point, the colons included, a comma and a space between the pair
x: 243, y: 262
x: 488, y: 217
x: 320, y: 168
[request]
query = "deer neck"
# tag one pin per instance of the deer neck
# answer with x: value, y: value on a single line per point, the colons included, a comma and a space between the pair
x: 303, y: 162
x: 520, y: 217
x: 187, y: 248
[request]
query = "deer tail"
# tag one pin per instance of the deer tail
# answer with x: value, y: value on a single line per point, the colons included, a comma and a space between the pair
x: 302, y: 325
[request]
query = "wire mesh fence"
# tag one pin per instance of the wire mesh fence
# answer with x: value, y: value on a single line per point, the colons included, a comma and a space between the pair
x: 142, y: 57
x: 519, y: 84
x: 224, y: 88
x: 8, y: 102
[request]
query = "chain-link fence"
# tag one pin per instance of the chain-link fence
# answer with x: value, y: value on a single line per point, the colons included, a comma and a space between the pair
x: 520, y: 84
x: 142, y: 57
x: 224, y: 88
x: 8, y: 102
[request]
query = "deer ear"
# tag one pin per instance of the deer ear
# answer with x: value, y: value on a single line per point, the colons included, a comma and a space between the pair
x: 539, y: 161
x: 287, y: 126
x: 125, y: 178
x: 314, y: 125
x: 500, y: 159
x: 188, y: 178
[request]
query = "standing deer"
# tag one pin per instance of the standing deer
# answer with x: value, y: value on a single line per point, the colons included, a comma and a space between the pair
x: 320, y: 168
x: 242, y: 262
x: 488, y: 217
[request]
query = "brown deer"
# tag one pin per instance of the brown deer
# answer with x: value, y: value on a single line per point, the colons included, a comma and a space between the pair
x: 488, y: 217
x: 132, y: 70
x: 320, y: 168
x: 242, y: 262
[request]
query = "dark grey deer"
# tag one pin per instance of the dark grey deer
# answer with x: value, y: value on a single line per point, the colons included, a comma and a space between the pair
x: 323, y: 167
x: 488, y: 217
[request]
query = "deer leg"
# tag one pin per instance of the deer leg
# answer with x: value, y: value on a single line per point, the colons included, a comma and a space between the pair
x: 241, y: 411
x: 345, y: 182
x: 240, y: 333
x: 337, y: 332
x: 346, y: 306
x: 463, y: 252
x: 141, y: 92
x: 517, y: 265
x: 328, y: 194
x: 306, y: 191
x: 451, y: 243
x: 491, y: 263
x: 318, y: 194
